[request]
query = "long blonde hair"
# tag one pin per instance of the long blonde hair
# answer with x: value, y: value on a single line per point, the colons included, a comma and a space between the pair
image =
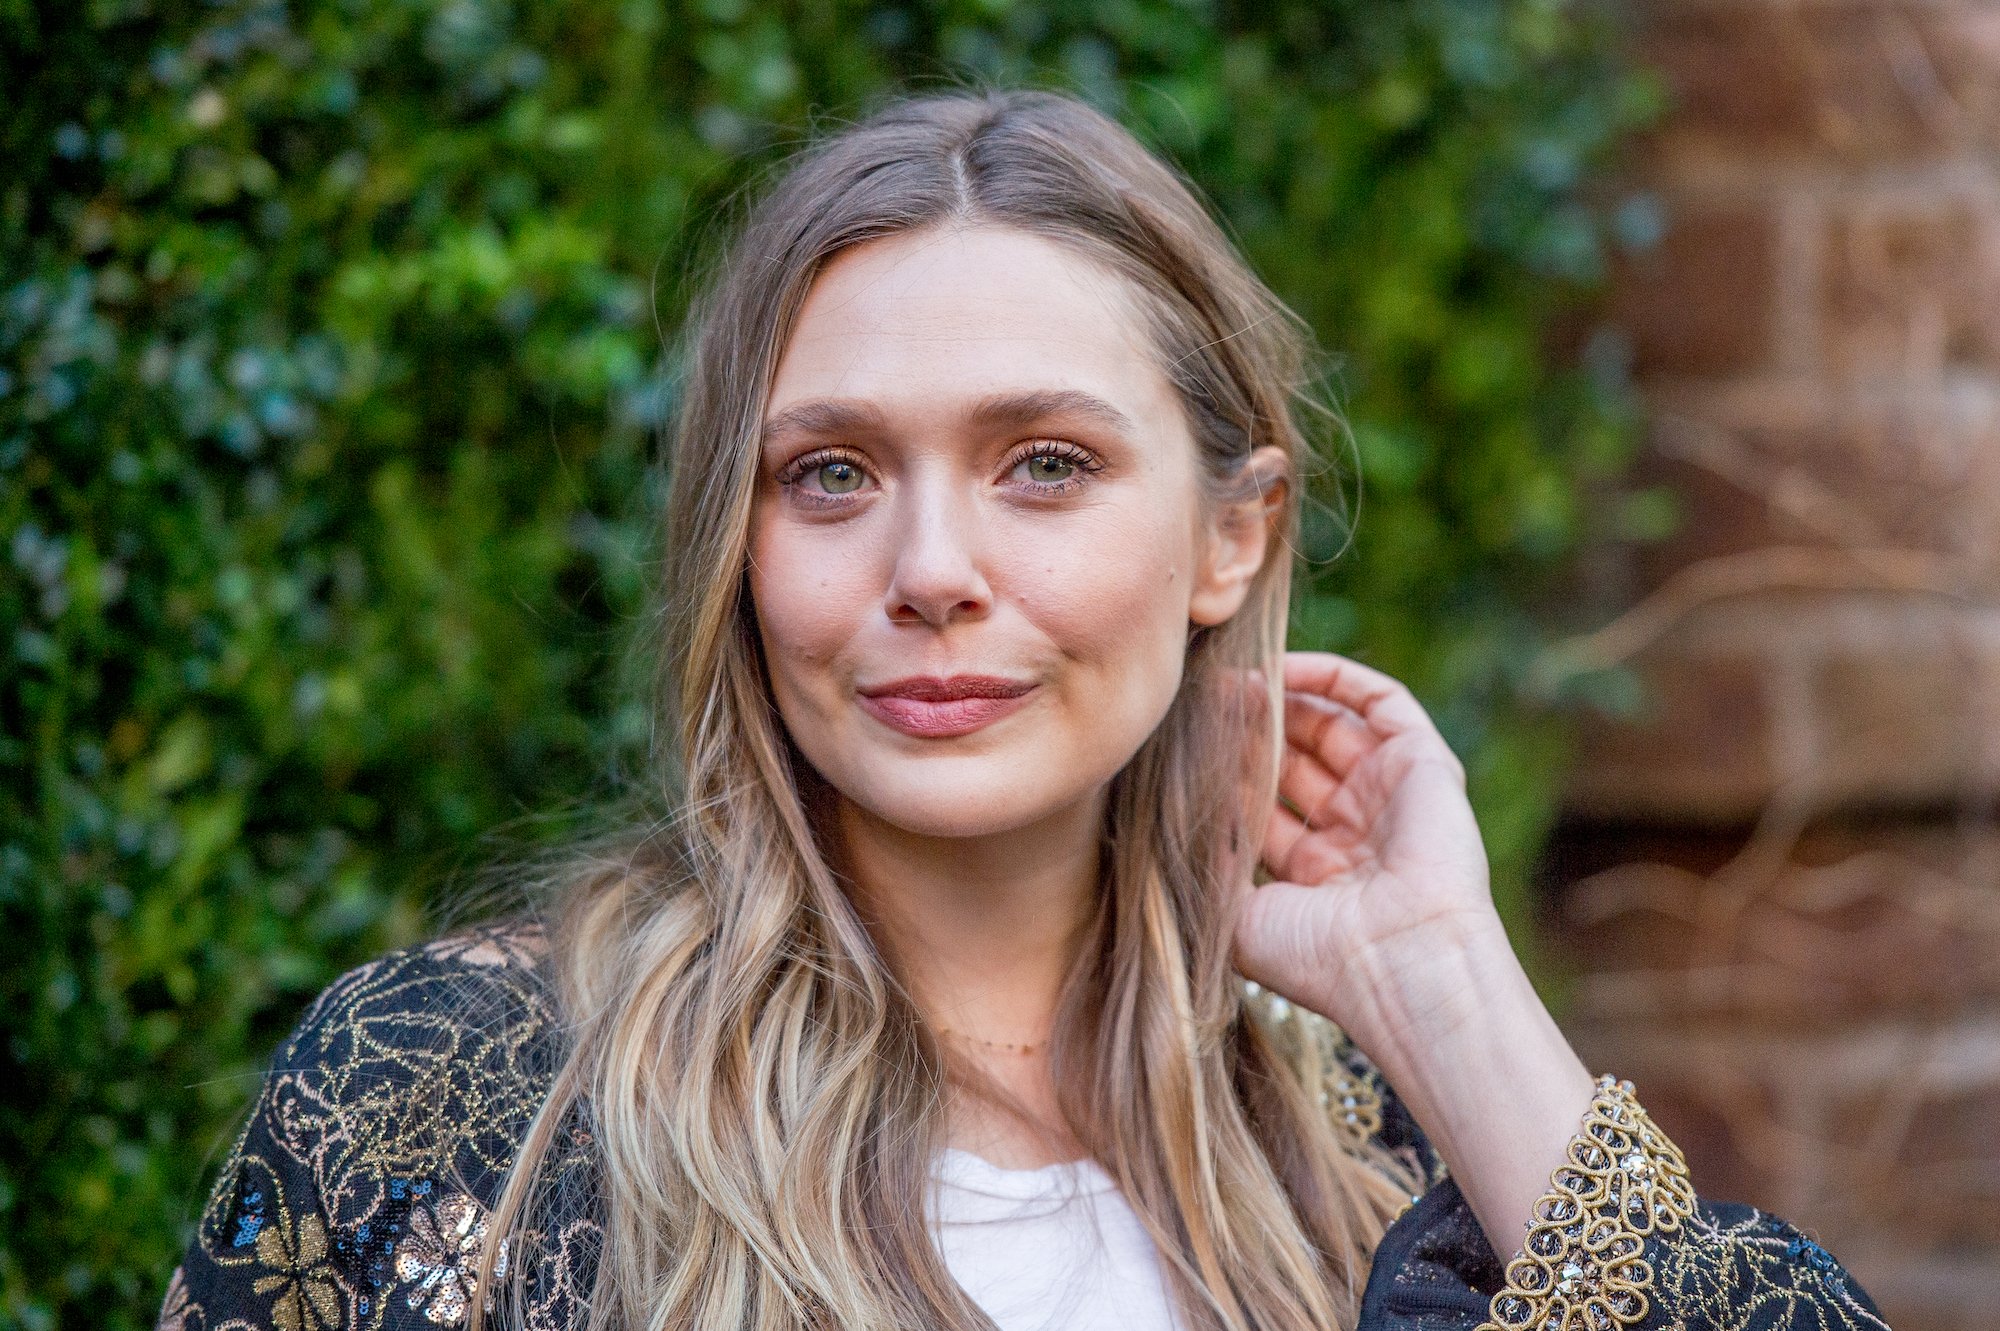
x: 762, y: 1096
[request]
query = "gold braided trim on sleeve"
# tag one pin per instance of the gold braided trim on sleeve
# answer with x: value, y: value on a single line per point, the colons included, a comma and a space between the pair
x: 1582, y: 1267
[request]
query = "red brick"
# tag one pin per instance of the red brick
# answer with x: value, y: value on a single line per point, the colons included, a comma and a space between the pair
x: 1968, y: 36
x: 1886, y: 922
x: 1733, y: 77
x: 1702, y: 750
x: 1719, y: 517
x: 1853, y: 82
x: 1933, y: 1138
x: 1925, y: 1291
x: 1901, y: 721
x: 1829, y: 1140
x: 1732, y: 1102
x: 1912, y: 287
x: 1700, y: 303
x: 1793, y: 463
x: 1819, y: 337
x: 1847, y: 926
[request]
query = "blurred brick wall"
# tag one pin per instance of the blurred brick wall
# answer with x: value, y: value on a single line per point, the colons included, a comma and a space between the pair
x: 1784, y: 884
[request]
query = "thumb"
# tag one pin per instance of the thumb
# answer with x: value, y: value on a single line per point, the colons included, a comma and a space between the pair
x: 1279, y: 939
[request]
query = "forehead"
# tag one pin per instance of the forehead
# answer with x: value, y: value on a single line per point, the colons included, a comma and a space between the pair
x: 949, y: 315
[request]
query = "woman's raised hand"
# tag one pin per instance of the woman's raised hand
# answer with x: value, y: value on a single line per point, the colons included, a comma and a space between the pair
x: 1379, y: 877
x: 1380, y: 917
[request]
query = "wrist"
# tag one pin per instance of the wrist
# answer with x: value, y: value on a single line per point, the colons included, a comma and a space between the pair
x: 1424, y: 989
x: 1483, y: 1068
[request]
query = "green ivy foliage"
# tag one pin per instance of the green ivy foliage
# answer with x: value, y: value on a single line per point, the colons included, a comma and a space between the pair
x: 330, y: 345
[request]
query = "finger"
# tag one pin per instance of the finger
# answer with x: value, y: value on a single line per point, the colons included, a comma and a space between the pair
x: 1292, y: 852
x: 1330, y: 732
x: 1311, y: 788
x: 1281, y: 837
x: 1322, y: 803
x: 1307, y: 786
x: 1383, y: 701
x: 1273, y: 925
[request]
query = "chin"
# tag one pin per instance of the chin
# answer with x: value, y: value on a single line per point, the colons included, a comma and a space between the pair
x: 970, y: 797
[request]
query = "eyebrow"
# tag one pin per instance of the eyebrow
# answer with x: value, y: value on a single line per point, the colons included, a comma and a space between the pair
x: 995, y: 411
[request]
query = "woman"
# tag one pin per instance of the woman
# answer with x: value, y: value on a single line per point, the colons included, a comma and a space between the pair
x: 925, y: 1004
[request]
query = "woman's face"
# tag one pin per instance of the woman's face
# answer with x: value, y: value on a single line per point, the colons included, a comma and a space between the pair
x: 977, y: 543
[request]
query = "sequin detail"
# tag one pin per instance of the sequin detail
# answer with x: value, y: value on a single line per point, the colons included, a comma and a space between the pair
x: 356, y: 1197
x: 439, y: 1258
x: 1583, y: 1267
x: 355, y: 1194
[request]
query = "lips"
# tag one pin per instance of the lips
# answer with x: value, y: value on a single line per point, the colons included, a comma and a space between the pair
x: 930, y: 707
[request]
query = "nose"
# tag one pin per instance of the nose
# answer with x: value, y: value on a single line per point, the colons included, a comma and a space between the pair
x: 937, y: 574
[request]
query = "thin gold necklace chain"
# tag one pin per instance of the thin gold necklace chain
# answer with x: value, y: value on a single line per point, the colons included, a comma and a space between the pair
x: 1005, y: 1046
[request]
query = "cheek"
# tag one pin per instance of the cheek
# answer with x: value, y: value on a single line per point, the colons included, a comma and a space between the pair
x: 804, y: 610
x: 1118, y: 598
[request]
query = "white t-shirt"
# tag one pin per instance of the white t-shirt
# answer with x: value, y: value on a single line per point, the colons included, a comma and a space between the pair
x: 1049, y: 1249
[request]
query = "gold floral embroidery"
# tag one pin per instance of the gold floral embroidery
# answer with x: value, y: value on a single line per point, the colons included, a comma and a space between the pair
x: 1582, y: 1267
x: 426, y: 1064
x: 293, y: 1249
x: 1726, y: 1249
x: 440, y: 1255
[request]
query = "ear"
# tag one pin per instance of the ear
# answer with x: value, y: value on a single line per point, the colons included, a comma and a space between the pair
x: 1236, y: 539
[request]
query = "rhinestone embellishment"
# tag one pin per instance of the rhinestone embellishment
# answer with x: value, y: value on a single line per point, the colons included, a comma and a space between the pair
x: 1583, y: 1267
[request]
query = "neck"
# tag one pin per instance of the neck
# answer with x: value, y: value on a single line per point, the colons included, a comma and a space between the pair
x: 983, y: 930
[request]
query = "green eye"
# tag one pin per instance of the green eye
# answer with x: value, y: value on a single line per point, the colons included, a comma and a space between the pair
x: 839, y: 478
x: 1049, y: 467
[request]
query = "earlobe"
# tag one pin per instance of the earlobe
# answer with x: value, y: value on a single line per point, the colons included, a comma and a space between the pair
x: 1236, y: 542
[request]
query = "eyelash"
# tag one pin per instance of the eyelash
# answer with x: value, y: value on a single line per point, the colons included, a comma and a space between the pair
x: 1085, y: 462
x: 795, y: 472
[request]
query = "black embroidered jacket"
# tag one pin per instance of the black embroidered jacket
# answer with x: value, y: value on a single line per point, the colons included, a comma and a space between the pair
x: 356, y: 1196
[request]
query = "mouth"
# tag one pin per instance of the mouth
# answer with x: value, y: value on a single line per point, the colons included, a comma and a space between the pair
x: 930, y: 707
